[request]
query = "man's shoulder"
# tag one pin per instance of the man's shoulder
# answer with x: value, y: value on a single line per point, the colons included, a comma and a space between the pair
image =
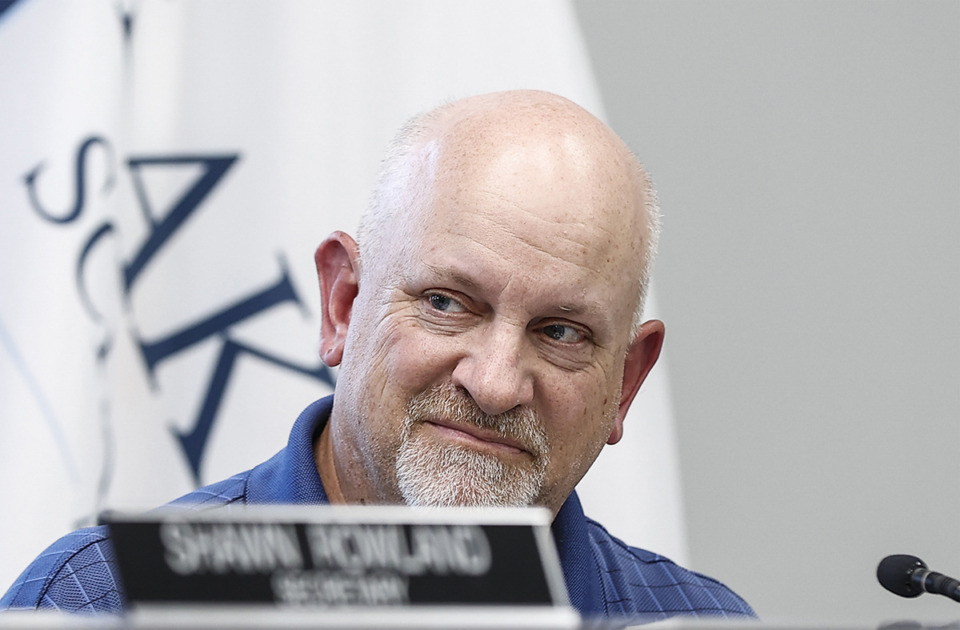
x: 636, y: 581
x: 227, y: 492
x: 77, y: 573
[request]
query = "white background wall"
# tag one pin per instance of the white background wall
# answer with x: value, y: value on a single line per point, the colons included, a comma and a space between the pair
x: 808, y: 161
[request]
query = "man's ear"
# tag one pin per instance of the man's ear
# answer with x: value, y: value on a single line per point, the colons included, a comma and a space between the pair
x: 641, y: 355
x: 338, y: 270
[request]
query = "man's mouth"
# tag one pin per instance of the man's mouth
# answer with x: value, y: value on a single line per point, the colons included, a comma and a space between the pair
x: 476, y: 437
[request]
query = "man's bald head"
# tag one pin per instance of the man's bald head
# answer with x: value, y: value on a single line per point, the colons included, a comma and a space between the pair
x: 456, y: 139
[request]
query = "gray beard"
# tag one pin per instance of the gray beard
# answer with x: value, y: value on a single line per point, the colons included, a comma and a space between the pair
x: 454, y: 475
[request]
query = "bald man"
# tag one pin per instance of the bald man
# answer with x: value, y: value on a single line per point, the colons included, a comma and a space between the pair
x: 488, y: 329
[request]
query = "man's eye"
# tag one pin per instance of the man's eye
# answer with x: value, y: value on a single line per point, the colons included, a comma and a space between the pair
x: 559, y: 332
x: 445, y: 303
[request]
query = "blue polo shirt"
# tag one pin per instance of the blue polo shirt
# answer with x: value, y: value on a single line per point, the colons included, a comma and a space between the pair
x: 604, y: 576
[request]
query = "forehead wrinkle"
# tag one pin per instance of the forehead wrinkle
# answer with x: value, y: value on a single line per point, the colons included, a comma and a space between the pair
x: 570, y: 220
x: 558, y: 258
x: 446, y: 271
x: 582, y: 251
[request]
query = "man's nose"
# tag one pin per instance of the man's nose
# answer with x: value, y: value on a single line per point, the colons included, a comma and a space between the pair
x: 494, y: 369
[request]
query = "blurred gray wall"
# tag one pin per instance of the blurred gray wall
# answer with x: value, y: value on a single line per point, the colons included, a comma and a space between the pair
x: 807, y: 156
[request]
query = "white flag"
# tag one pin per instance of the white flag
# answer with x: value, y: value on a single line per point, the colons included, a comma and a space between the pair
x: 167, y: 169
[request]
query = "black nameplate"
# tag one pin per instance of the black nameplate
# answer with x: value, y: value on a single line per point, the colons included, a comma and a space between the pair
x: 329, y: 557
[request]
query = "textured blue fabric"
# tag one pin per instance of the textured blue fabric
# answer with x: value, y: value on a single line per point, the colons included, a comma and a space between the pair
x: 604, y: 576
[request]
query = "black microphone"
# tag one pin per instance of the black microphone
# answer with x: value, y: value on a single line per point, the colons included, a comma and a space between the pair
x: 907, y: 576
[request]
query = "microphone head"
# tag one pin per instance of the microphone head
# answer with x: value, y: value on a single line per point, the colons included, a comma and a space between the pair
x: 895, y: 574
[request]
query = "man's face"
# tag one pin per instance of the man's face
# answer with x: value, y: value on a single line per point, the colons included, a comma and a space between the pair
x: 485, y: 353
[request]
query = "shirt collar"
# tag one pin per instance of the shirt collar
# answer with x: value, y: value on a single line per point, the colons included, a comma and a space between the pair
x: 291, y: 475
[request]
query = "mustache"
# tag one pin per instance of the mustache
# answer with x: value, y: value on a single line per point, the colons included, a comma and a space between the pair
x: 520, y: 424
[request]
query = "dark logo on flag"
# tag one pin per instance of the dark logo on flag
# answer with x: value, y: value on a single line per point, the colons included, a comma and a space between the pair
x: 163, y: 226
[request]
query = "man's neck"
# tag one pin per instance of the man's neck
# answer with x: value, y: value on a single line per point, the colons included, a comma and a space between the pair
x: 323, y: 457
